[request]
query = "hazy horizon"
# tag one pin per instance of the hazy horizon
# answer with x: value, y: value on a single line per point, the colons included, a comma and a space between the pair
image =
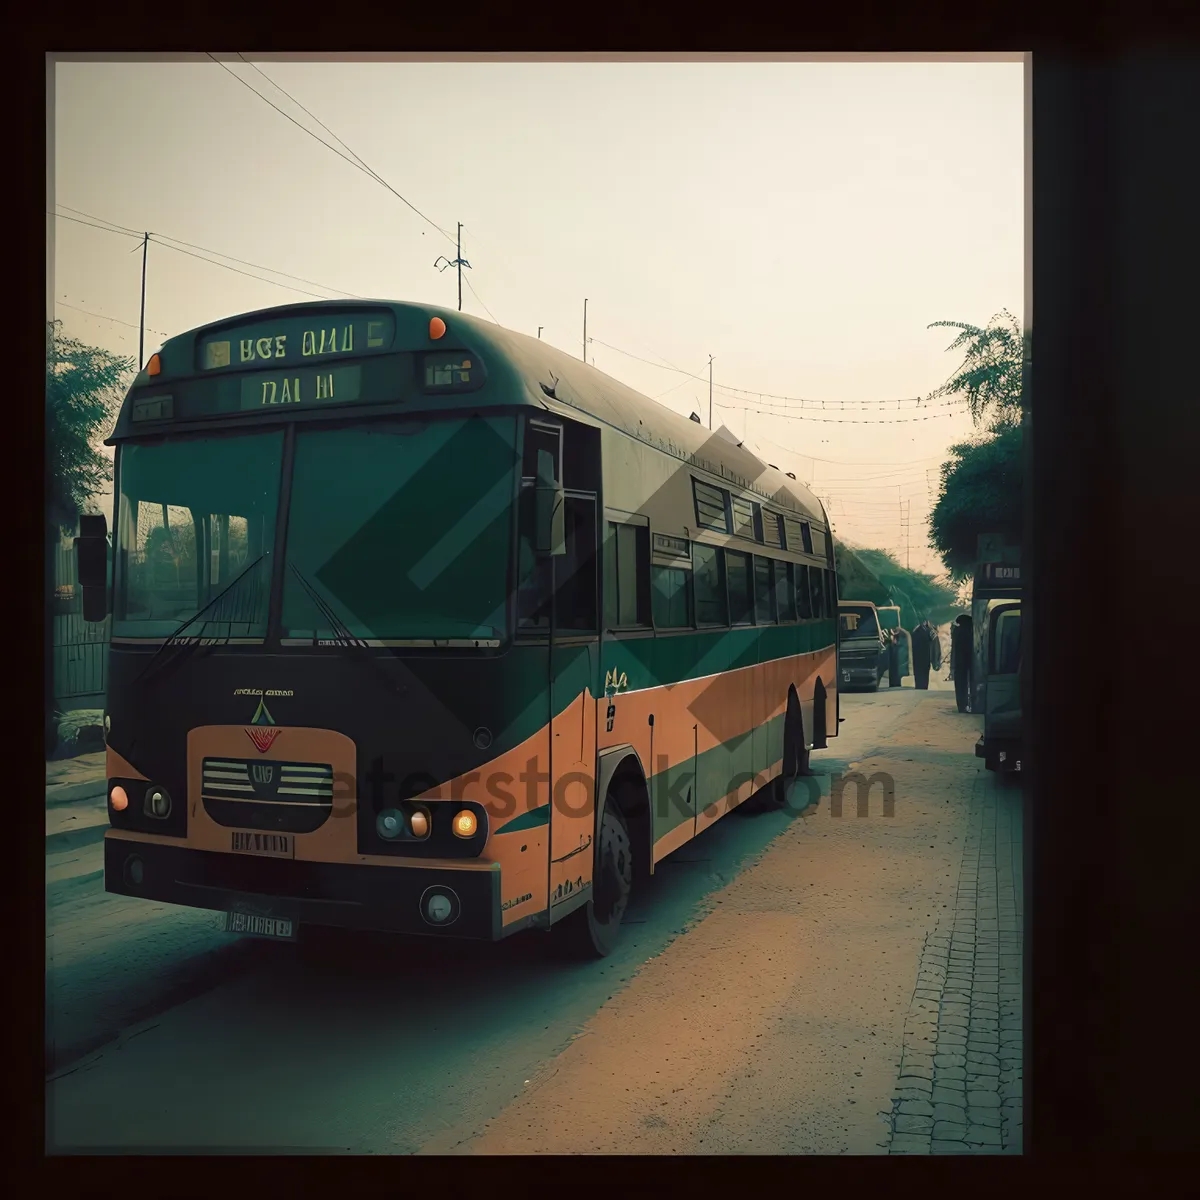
x: 803, y: 223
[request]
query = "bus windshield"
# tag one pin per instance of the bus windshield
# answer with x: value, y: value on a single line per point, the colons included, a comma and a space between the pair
x: 858, y: 622
x: 193, y: 515
x: 401, y: 530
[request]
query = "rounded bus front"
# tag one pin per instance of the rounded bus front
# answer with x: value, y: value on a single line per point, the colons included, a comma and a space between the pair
x: 415, y: 620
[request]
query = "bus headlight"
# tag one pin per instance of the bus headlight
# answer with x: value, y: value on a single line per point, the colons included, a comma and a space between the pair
x: 118, y: 799
x: 419, y: 824
x: 465, y: 824
x: 390, y: 824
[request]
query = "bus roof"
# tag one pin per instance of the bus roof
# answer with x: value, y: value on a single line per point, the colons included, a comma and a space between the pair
x: 558, y: 382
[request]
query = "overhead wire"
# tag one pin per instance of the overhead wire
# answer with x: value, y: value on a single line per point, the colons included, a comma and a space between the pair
x: 360, y: 165
x: 102, y: 317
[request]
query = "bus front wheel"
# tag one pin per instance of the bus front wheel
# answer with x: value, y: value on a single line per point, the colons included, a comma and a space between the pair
x: 591, y: 931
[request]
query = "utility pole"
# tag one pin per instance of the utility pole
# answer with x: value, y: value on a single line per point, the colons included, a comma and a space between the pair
x: 142, y: 322
x: 459, y: 262
x: 709, y: 393
x: 585, y: 329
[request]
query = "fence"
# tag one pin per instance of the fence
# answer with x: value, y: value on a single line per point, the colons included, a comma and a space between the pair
x: 80, y: 648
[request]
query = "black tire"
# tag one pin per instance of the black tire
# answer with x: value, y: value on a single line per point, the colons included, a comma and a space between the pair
x: 795, y: 753
x: 593, y: 929
x: 875, y: 686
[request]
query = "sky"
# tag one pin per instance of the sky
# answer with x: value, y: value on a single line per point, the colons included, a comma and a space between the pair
x: 801, y: 222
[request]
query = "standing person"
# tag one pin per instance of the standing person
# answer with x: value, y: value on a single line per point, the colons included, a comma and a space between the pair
x: 935, y: 647
x: 921, y: 654
x: 961, y: 650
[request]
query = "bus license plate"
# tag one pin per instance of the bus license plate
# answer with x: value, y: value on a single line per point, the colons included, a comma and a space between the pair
x: 276, y: 845
x: 258, y: 926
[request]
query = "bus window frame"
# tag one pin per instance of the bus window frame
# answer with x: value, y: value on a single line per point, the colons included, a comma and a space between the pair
x: 730, y: 622
x: 644, y: 600
x: 771, y: 596
x: 722, y: 586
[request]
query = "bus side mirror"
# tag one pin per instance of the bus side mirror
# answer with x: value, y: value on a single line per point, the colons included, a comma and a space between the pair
x: 551, y: 506
x: 91, y: 566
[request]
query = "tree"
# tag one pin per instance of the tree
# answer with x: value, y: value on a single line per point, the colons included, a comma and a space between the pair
x: 981, y: 492
x: 854, y: 579
x: 981, y: 482
x: 84, y: 386
x: 919, y: 596
x: 990, y: 375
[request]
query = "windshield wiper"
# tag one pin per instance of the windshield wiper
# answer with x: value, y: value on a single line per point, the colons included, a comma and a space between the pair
x: 342, y: 635
x: 181, y: 648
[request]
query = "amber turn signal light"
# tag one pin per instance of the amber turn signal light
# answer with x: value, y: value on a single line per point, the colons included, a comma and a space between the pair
x: 465, y: 824
x: 437, y: 328
x: 154, y: 366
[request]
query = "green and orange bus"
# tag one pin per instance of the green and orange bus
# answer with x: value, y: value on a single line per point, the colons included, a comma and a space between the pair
x: 422, y: 625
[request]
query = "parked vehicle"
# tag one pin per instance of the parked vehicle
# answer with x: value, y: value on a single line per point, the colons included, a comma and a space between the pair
x: 862, y: 648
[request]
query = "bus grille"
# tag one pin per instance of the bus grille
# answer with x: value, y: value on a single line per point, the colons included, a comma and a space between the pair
x: 285, y: 796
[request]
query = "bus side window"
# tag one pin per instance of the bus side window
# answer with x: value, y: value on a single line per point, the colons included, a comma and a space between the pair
x: 817, y: 584
x: 709, y: 583
x: 672, y: 601
x: 575, y: 571
x: 803, y: 593
x: 626, y: 576
x: 533, y: 573
x: 764, y: 591
x: 785, y: 590
x: 830, y: 593
x: 741, y: 593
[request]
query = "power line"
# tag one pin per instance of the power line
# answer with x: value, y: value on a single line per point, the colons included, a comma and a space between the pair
x: 115, y: 227
x: 237, y: 271
x: 467, y: 281
x: 299, y: 278
x: 360, y: 165
x: 105, y: 228
x: 163, y: 239
x: 280, y: 88
x: 837, y: 421
x: 115, y: 320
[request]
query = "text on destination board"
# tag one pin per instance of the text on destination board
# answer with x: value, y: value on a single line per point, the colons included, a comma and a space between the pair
x: 291, y: 341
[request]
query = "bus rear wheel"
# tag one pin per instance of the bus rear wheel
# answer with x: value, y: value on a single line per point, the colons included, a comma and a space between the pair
x: 795, y: 753
x: 592, y: 930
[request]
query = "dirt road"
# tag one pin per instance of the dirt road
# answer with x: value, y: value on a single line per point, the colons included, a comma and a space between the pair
x: 758, y: 1002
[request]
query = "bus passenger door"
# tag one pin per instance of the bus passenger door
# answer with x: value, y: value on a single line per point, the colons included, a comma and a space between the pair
x: 575, y: 664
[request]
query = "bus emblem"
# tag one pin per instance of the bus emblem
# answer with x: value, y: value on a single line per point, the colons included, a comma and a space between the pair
x: 263, y: 738
x: 262, y: 772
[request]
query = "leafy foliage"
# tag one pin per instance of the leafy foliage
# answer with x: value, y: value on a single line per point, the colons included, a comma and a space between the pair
x: 855, y: 580
x: 990, y: 374
x: 981, y: 483
x: 981, y: 492
x: 919, y: 596
x: 84, y: 387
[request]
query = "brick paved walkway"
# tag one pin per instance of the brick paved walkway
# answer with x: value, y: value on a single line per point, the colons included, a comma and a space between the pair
x: 959, y: 1090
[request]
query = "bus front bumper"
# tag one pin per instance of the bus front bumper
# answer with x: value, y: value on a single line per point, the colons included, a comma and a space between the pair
x: 391, y: 899
x: 857, y: 674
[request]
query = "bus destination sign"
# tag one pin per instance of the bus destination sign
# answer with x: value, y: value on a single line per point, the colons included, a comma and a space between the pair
x: 302, y: 385
x: 300, y: 340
